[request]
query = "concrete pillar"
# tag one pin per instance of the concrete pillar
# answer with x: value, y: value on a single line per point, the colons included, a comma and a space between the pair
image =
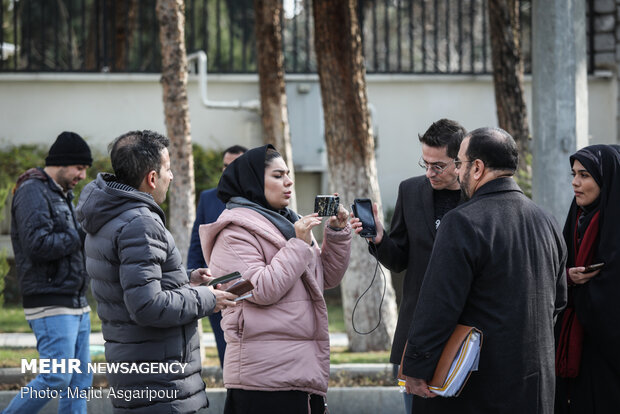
x: 559, y: 99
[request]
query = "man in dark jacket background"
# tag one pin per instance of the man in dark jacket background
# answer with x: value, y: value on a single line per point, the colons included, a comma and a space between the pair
x: 47, y: 241
x: 497, y: 264
x: 209, y: 209
x: 421, y: 204
x: 148, y: 304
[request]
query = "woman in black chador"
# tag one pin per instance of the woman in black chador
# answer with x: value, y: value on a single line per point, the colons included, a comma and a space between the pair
x: 588, y: 340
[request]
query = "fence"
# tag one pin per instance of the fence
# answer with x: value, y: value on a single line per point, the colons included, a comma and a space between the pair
x: 399, y: 36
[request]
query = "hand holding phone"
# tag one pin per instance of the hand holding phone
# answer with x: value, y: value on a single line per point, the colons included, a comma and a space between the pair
x: 326, y: 205
x: 223, y: 299
x: 579, y: 277
x: 240, y: 288
x: 362, y: 209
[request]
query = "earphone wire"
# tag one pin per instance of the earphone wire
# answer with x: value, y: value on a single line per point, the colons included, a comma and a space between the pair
x: 377, y: 267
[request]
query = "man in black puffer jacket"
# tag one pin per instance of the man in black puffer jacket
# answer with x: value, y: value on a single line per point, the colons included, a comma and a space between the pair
x: 148, y: 304
x: 47, y: 241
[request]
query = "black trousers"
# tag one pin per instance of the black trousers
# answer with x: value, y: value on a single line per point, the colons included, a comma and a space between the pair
x: 272, y: 402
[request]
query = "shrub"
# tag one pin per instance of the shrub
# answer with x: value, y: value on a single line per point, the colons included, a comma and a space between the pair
x: 207, y: 168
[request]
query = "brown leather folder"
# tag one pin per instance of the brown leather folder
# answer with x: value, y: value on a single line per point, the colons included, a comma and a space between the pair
x: 449, y: 353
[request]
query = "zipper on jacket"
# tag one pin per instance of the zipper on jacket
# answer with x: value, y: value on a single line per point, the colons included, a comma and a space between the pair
x: 184, y: 344
x: 82, y: 290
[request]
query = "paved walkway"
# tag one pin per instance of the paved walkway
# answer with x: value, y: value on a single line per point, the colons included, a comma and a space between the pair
x: 358, y: 400
x: 27, y: 340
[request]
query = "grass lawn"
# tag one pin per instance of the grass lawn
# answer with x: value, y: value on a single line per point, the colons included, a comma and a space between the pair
x: 11, y: 357
x: 12, y: 319
x: 340, y: 355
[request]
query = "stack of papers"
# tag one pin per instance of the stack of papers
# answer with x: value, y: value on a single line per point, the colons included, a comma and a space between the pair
x: 464, y: 363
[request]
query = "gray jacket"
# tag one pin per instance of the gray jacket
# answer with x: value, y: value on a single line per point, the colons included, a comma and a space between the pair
x: 147, y: 307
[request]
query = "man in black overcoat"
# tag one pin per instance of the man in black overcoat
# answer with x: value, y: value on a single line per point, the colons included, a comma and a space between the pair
x: 421, y: 204
x: 497, y: 264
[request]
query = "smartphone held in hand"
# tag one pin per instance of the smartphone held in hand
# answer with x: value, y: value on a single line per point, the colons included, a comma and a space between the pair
x: 362, y: 209
x: 326, y: 205
x: 593, y: 267
x: 240, y: 287
x: 225, y: 279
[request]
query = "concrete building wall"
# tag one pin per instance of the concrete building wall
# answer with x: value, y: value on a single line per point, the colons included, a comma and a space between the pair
x: 34, y: 108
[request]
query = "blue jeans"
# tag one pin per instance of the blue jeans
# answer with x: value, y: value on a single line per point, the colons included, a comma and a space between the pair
x: 58, y: 337
x: 220, y: 342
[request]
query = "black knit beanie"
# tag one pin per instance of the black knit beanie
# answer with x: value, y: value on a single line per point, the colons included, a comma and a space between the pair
x: 69, y: 149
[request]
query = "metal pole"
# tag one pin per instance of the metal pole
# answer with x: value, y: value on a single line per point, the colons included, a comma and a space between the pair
x: 559, y: 98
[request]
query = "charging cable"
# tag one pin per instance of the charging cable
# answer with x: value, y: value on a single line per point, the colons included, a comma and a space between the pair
x: 377, y: 267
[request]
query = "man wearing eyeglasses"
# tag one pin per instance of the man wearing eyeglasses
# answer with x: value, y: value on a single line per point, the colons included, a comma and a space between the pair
x: 498, y: 265
x: 421, y: 204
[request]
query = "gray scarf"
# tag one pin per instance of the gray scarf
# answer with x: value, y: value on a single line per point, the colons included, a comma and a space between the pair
x: 282, y: 219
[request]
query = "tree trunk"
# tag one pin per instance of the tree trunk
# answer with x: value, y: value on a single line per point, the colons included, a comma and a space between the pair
x: 270, y: 62
x: 182, y: 212
x: 182, y: 208
x: 352, y: 165
x: 508, y: 79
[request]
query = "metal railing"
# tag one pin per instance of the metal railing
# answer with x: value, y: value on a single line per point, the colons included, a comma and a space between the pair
x: 399, y: 36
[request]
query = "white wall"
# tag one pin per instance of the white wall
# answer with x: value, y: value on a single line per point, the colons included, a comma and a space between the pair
x: 34, y: 108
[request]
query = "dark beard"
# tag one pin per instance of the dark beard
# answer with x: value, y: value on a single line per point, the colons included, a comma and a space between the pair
x: 463, y: 185
x: 64, y: 182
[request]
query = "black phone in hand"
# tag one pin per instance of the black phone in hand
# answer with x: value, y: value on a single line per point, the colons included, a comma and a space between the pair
x: 593, y: 267
x: 362, y: 209
x: 225, y: 279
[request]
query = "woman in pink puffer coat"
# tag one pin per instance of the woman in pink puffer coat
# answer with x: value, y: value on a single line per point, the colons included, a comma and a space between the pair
x: 277, y: 352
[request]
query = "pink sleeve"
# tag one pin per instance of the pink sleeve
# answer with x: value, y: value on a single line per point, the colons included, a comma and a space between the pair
x: 236, y: 249
x: 335, y: 255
